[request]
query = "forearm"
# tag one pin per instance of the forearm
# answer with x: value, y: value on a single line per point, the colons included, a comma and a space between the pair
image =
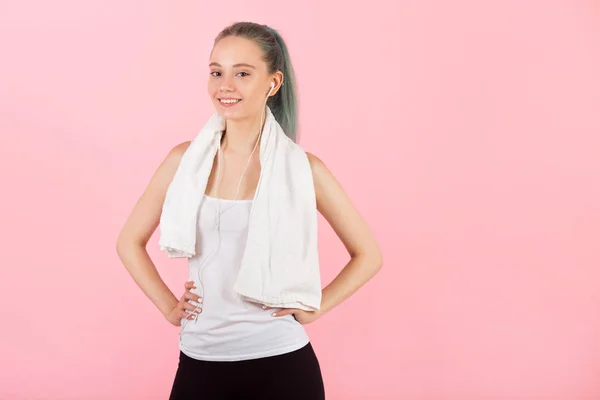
x: 136, y: 260
x: 355, y: 274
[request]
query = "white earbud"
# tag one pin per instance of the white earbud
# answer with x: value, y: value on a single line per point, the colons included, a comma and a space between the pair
x: 270, y: 90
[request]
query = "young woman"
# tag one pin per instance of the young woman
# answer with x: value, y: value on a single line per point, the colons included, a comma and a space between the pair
x: 236, y: 349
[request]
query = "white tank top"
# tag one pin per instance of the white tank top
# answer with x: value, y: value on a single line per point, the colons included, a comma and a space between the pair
x: 230, y: 328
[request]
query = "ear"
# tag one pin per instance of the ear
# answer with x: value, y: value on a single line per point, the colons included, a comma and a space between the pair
x: 278, y: 80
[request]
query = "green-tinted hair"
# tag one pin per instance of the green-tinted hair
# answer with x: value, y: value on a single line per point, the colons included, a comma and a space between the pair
x: 284, y: 103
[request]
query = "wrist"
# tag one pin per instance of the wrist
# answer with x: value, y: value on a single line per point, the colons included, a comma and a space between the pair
x: 168, y: 307
x: 324, y: 307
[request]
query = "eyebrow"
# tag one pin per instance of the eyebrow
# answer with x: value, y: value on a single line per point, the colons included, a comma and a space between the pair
x: 234, y: 66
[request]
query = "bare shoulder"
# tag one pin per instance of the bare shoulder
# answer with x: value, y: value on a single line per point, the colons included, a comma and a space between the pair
x: 166, y: 170
x: 316, y: 164
x: 181, y: 147
x: 327, y: 188
x: 338, y: 209
x: 145, y: 216
x: 174, y: 156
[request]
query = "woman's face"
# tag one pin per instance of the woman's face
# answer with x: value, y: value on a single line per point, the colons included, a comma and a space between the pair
x: 238, y: 72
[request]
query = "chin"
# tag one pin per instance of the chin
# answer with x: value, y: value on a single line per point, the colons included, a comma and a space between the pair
x: 231, y: 114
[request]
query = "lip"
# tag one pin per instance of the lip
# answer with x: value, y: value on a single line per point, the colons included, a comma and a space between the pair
x: 228, y: 98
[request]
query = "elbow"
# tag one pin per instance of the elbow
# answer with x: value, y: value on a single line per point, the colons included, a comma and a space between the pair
x: 374, y: 259
x: 378, y: 261
x: 124, y: 245
x: 120, y: 248
x: 120, y: 244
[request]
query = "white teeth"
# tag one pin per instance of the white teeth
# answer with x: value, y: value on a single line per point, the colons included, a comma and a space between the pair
x: 229, y: 101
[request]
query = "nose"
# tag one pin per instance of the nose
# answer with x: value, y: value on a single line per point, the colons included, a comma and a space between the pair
x: 227, y: 84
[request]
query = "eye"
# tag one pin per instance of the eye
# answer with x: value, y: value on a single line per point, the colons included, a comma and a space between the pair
x: 217, y: 72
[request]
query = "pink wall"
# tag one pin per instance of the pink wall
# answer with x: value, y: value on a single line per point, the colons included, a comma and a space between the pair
x: 467, y: 132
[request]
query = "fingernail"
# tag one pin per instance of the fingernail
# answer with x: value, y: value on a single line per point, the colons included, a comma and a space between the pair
x: 264, y: 307
x: 274, y: 314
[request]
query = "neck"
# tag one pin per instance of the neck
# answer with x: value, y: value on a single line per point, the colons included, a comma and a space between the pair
x: 241, y: 135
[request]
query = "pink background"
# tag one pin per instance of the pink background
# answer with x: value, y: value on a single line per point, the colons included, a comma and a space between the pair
x: 467, y: 133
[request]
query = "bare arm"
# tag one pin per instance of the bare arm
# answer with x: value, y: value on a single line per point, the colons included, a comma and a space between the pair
x: 139, y: 227
x: 366, y: 259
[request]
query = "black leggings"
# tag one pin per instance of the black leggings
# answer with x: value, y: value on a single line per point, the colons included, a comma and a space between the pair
x: 295, y: 376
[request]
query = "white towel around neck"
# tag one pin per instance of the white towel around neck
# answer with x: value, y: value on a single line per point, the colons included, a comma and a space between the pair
x: 280, y: 265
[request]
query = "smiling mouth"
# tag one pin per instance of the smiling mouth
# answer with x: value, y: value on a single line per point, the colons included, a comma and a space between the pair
x: 229, y: 101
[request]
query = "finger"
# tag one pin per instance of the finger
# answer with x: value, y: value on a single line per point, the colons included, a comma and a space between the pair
x: 192, y: 296
x: 189, y: 315
x: 285, y: 311
x: 188, y: 306
x: 189, y: 285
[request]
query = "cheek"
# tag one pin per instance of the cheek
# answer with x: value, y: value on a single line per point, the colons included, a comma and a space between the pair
x: 255, y: 93
x: 211, y: 89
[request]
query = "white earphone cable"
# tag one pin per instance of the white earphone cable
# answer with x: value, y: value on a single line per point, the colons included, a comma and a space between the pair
x: 217, y: 225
